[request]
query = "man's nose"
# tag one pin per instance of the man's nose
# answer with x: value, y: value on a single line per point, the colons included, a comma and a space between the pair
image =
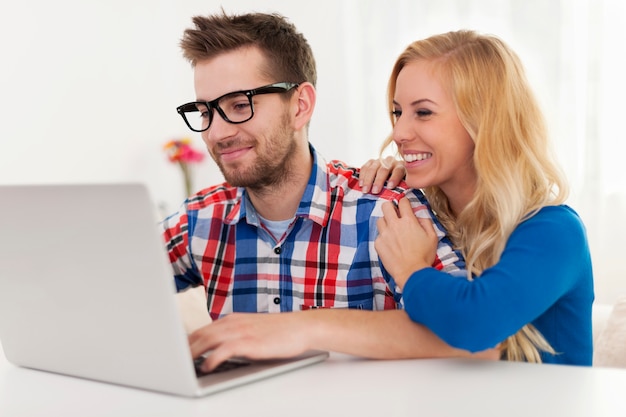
x: 219, y: 129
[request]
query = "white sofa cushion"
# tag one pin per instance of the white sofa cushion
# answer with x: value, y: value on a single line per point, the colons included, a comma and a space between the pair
x: 193, y: 309
x: 610, y: 345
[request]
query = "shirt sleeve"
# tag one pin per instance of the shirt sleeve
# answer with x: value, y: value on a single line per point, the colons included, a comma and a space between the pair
x: 540, y: 263
x: 175, y: 230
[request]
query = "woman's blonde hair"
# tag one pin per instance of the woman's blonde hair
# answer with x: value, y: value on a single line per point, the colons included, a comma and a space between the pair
x: 516, y: 173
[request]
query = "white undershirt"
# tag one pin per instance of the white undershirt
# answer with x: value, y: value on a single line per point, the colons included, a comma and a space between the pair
x: 276, y: 227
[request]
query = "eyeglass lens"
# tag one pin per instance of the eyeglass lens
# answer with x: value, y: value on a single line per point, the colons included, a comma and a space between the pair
x: 236, y: 108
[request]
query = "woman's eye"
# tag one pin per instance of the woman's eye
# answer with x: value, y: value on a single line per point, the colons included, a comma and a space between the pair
x: 424, y: 113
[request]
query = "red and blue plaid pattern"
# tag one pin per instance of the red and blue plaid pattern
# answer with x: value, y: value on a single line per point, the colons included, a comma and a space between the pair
x: 325, y: 260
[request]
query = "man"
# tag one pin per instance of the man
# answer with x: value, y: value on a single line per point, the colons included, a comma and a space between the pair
x: 287, y: 232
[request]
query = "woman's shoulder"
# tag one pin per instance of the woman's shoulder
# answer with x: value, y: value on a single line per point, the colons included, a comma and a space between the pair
x: 559, y: 220
x: 560, y: 214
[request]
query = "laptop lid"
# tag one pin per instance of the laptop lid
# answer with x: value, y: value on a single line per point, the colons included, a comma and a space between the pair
x: 86, y: 290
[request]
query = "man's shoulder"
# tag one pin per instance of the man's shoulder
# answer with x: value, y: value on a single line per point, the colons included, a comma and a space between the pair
x: 347, y: 177
x: 223, y: 193
x: 337, y: 168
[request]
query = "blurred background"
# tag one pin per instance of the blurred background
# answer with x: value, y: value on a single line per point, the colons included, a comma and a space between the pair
x: 88, y: 90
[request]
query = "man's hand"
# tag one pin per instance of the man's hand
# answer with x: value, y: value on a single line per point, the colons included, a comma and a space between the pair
x: 249, y: 335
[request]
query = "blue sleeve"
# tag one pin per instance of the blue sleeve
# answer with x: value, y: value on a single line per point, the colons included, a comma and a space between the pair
x: 541, y: 262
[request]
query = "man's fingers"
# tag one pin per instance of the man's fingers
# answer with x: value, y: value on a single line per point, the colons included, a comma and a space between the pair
x: 224, y: 352
x: 200, y: 341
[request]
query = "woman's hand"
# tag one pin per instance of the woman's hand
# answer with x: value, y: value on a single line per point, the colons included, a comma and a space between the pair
x: 375, y: 172
x: 405, y: 243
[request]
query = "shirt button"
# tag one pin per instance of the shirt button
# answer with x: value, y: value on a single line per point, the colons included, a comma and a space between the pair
x: 277, y: 250
x: 276, y: 300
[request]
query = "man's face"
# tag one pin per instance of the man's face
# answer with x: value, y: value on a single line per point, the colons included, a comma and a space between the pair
x: 256, y: 153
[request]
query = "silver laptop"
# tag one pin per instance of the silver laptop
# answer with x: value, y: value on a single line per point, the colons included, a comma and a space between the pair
x: 86, y: 290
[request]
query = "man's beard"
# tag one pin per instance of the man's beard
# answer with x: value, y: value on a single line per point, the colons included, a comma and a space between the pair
x: 273, y: 165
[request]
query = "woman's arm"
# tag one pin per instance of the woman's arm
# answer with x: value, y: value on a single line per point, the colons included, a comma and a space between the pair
x: 546, y: 257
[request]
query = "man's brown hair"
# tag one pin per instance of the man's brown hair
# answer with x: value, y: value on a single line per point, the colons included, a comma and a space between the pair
x: 287, y: 52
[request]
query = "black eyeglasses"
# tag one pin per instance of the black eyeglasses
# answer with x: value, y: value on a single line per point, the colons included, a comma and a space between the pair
x: 235, y: 107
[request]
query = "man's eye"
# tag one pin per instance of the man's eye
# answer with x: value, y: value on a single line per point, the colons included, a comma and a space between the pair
x: 241, y: 106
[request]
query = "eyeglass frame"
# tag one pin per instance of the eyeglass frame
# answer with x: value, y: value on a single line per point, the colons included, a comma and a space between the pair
x: 281, y: 87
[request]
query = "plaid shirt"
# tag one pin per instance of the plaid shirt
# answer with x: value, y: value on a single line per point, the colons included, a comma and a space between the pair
x: 325, y: 259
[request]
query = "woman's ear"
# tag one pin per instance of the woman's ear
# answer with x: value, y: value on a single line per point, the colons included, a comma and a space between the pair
x: 305, y: 104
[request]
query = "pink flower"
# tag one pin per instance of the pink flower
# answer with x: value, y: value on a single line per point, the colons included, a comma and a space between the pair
x: 180, y: 151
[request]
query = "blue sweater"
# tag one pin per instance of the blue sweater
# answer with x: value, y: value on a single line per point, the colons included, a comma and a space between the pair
x: 544, y: 277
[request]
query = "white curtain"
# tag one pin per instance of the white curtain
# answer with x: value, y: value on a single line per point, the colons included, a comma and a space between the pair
x: 575, y: 55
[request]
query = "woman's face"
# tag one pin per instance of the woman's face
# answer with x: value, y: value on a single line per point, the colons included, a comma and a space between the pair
x: 435, y: 146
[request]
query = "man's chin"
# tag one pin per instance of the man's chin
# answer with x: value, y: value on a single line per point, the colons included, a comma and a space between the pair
x: 233, y: 176
x: 252, y: 182
x: 239, y: 181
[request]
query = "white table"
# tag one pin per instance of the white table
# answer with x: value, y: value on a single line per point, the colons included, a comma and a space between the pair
x: 341, y: 386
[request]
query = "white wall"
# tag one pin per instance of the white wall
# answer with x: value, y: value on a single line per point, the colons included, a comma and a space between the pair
x: 88, y: 88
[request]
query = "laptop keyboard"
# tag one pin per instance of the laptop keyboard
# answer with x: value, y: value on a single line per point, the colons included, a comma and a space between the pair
x: 222, y: 367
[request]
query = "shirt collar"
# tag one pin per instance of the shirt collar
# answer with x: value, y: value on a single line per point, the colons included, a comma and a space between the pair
x: 315, y: 203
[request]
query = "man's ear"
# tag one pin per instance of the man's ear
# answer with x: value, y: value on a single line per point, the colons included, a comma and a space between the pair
x: 305, y: 104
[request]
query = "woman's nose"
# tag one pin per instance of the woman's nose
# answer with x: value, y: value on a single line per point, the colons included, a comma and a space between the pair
x: 402, y: 132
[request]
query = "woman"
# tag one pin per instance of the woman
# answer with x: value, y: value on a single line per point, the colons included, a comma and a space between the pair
x: 471, y: 135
